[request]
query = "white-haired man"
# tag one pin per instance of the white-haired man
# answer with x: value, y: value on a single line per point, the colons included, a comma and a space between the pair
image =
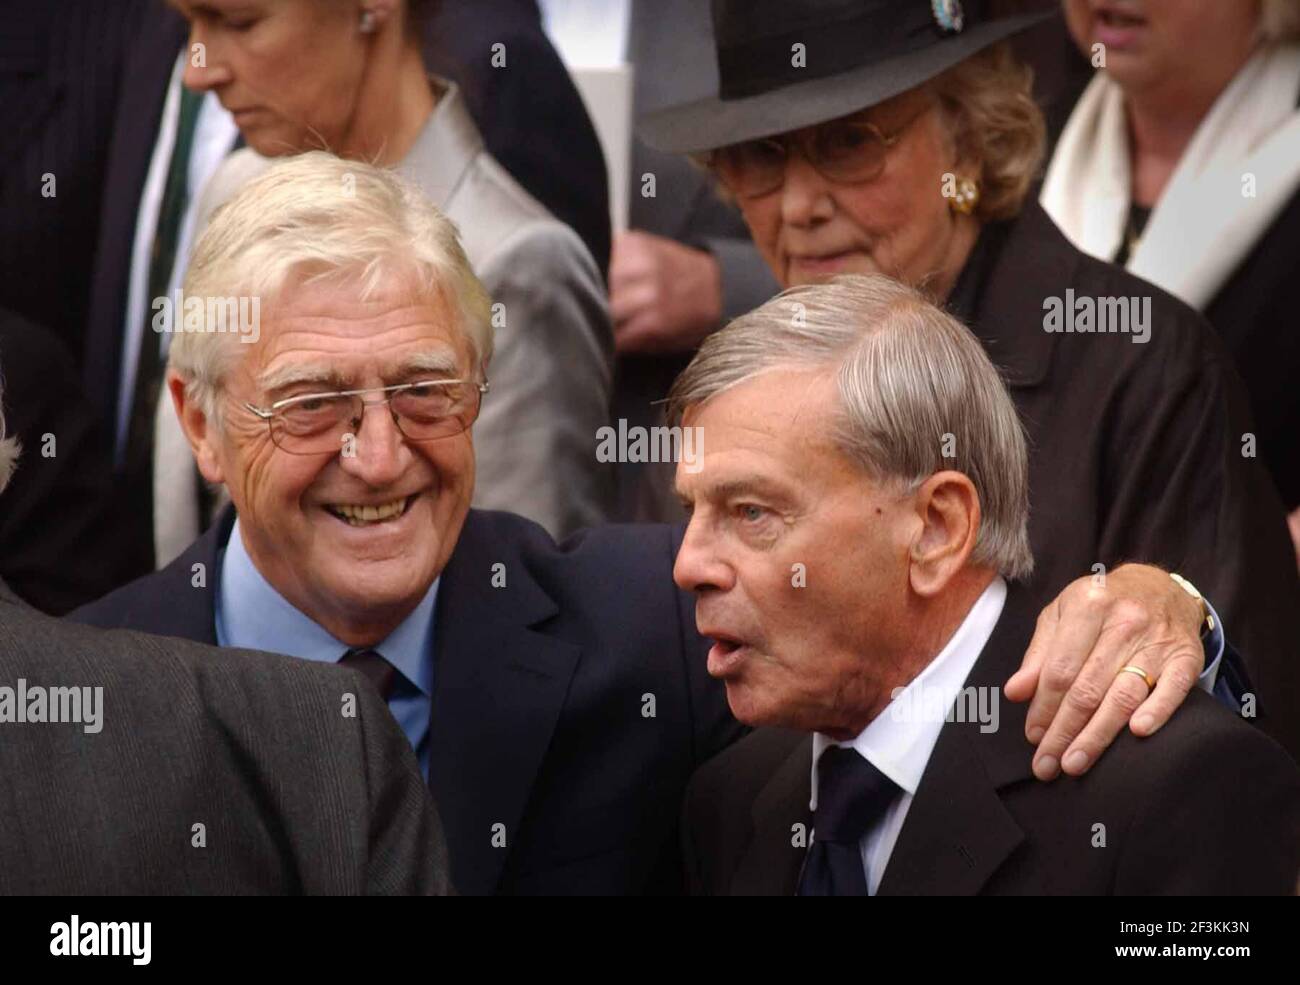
x: 140, y: 765
x: 556, y: 697
x: 861, y: 507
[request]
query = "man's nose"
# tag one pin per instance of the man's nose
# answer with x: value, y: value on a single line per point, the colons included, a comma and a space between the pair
x: 204, y: 69
x: 375, y: 451
x: 698, y: 565
x: 805, y: 194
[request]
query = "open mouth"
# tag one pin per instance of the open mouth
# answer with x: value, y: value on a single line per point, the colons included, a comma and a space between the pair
x: 367, y: 515
x: 726, y: 655
x: 1119, y: 19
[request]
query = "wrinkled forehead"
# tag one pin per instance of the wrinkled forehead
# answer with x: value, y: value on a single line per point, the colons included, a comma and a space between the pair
x: 782, y: 426
x: 333, y: 326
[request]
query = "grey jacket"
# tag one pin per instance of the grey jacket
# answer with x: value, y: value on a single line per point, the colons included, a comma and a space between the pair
x: 199, y: 771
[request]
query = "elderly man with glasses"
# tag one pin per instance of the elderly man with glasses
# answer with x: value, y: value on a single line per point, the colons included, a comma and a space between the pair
x: 556, y: 696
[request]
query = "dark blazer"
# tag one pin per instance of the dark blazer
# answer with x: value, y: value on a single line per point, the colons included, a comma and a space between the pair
x: 59, y: 546
x: 570, y: 706
x: 1135, y: 449
x: 293, y: 795
x: 1207, y: 806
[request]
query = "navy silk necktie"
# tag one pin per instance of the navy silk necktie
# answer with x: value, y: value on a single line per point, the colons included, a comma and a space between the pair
x: 852, y: 795
x: 376, y: 669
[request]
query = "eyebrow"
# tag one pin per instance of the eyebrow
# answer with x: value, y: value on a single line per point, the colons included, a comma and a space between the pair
x: 299, y: 373
x: 745, y: 486
x: 438, y: 362
x: 432, y: 362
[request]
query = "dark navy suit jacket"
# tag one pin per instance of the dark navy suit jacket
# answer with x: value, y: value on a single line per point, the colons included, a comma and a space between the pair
x: 570, y: 706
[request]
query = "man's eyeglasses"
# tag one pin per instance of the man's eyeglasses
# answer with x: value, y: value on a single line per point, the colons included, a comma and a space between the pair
x: 316, y: 423
x: 848, y: 150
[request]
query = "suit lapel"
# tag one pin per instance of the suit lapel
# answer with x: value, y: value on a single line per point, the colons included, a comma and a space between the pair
x: 499, y: 687
x: 958, y: 833
x: 190, y: 611
x: 772, y: 861
x: 445, y: 150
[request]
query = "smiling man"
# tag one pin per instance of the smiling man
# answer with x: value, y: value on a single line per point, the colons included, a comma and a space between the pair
x: 861, y: 510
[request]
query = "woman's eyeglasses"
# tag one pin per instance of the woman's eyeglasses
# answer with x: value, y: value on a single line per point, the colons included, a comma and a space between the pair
x: 848, y: 150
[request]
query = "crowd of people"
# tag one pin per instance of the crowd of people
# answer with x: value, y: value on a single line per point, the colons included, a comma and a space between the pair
x: 964, y: 326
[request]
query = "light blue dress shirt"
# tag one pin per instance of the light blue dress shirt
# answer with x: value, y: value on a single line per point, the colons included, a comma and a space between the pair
x: 250, y: 613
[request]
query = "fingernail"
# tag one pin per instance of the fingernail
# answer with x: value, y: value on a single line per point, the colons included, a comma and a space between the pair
x: 1144, y: 723
x: 1076, y: 761
x: 1036, y: 734
x: 1045, y: 767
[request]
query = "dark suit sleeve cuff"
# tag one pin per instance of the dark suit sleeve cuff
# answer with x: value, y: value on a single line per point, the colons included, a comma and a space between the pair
x: 746, y: 280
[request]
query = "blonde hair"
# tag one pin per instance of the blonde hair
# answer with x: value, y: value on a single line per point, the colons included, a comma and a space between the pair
x: 917, y: 391
x: 987, y: 100
x: 1279, y: 21
x: 314, y: 217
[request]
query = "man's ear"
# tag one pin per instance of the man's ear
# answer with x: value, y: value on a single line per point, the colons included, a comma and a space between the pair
x: 948, y: 508
x: 200, y: 432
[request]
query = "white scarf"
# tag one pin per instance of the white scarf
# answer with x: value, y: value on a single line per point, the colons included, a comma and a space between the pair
x: 1204, y: 224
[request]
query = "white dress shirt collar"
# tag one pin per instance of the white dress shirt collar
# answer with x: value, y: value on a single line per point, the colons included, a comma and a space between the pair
x: 899, y: 741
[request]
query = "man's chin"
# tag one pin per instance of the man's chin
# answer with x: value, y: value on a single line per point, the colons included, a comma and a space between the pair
x: 375, y: 593
x: 745, y: 707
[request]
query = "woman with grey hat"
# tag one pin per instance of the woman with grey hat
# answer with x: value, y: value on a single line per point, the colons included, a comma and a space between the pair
x: 900, y: 137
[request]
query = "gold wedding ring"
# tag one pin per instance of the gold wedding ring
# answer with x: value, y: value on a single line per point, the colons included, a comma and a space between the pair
x: 1130, y: 669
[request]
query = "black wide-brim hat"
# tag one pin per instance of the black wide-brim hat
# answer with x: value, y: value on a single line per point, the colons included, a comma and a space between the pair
x: 855, y: 54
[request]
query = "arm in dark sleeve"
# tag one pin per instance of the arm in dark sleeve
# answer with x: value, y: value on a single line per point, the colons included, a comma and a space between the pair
x: 747, y: 281
x: 407, y: 851
x: 1184, y: 493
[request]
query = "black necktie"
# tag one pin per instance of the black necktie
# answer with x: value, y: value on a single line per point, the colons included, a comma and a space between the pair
x: 376, y: 669
x: 851, y: 797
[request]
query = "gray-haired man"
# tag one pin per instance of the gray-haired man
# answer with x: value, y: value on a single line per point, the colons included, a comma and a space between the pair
x: 861, y: 507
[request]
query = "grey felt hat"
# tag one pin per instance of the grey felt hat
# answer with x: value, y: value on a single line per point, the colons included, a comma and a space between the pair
x: 786, y: 64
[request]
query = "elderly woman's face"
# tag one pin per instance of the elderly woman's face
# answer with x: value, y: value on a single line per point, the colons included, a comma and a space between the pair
x: 898, y: 223
x: 1156, y: 41
x: 288, y: 70
x: 294, y: 508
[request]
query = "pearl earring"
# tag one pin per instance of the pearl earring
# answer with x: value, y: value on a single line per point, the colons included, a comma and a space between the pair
x: 367, y: 22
